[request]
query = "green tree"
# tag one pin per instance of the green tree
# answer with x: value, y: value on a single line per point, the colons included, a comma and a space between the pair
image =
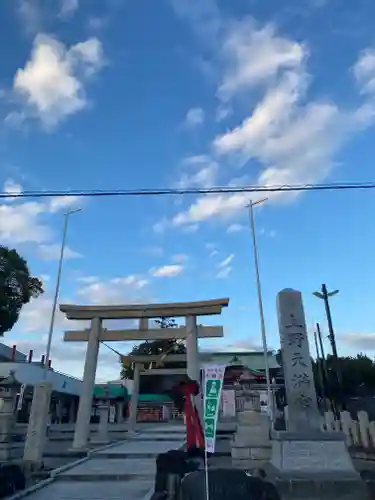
x: 17, y: 287
x: 156, y: 347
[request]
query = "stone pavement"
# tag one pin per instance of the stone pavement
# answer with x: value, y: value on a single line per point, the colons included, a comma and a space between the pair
x: 122, y: 472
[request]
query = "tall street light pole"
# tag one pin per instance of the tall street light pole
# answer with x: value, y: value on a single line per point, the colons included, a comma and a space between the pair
x: 260, y: 302
x: 57, y: 290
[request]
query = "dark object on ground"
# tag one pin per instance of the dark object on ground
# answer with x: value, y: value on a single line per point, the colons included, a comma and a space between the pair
x: 176, y: 463
x: 227, y: 484
x: 159, y: 495
x: 12, y: 479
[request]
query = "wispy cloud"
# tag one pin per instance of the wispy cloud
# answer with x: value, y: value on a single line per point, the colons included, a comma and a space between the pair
x: 167, y: 271
x: 194, y: 117
x: 283, y: 120
x: 68, y: 8
x: 227, y: 260
x: 52, y: 252
x: 236, y: 228
x: 197, y: 171
x: 224, y: 272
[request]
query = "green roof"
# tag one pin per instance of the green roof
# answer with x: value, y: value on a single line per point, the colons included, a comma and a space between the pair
x: 114, y: 391
x: 154, y: 397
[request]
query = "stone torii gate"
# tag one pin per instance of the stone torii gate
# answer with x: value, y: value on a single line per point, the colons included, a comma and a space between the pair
x: 96, y: 334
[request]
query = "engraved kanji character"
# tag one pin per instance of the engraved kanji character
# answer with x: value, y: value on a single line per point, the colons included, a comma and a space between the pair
x: 300, y: 379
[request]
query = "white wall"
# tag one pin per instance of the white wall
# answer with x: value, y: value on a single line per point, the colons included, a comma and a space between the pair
x: 31, y: 374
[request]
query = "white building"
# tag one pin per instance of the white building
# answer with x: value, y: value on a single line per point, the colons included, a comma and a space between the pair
x: 66, y: 390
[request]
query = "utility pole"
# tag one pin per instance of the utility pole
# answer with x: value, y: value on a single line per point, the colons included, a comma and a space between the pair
x: 325, y: 295
x: 324, y: 362
x: 319, y: 367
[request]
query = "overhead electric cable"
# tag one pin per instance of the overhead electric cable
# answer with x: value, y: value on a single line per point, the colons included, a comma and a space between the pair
x: 192, y: 191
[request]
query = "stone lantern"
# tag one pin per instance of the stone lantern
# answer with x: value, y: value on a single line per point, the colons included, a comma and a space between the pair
x: 103, y: 409
x: 8, y: 394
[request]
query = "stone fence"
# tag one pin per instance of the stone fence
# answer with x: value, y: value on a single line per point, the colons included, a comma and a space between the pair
x: 360, y: 433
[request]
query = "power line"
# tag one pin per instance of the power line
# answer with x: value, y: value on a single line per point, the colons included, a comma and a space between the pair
x: 192, y: 191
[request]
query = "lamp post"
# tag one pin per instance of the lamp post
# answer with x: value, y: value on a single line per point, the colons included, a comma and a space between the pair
x: 57, y: 290
x: 260, y: 303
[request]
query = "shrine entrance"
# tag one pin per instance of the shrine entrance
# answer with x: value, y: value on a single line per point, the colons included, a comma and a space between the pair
x: 97, y: 334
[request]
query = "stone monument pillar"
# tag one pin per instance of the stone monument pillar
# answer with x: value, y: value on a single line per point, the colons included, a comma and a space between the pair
x: 8, y: 448
x: 37, y: 428
x: 82, y: 429
x: 304, y: 452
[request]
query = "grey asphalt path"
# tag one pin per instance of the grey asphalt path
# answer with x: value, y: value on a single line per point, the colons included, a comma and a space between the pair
x: 125, y: 471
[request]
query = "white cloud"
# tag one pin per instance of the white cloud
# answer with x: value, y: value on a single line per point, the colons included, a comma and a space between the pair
x: 87, y: 279
x: 35, y: 316
x: 12, y: 188
x: 226, y: 261
x: 224, y: 272
x: 51, y: 85
x: 235, y: 228
x: 195, y: 116
x: 254, y: 56
x: 210, y: 206
x: 200, y: 171
x: 168, y: 271
x: 267, y: 118
x: 119, y: 290
x: 360, y: 341
x: 364, y: 72
x: 52, y: 252
x: 21, y: 223
x: 63, y: 202
x: 68, y: 8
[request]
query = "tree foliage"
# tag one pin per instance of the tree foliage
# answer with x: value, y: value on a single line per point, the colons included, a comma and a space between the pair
x: 156, y: 347
x: 17, y: 287
x: 357, y: 373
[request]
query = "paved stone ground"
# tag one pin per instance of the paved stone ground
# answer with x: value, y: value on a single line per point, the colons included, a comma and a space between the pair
x: 123, y: 472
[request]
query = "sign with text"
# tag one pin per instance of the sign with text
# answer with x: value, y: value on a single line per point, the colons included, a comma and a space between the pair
x: 213, y: 383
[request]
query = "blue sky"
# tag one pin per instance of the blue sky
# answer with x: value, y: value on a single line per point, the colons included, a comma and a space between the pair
x: 175, y: 93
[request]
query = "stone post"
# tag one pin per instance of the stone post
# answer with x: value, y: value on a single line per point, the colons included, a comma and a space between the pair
x: 102, y: 436
x: 119, y: 412
x: 37, y: 428
x: 304, y: 451
x: 7, y: 423
x: 134, y: 397
x: 82, y: 429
